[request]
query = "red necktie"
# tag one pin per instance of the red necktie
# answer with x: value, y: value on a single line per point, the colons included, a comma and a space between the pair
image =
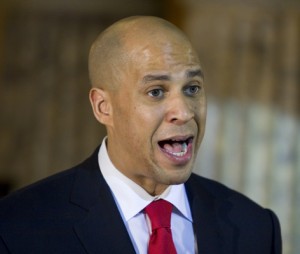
x: 161, y: 241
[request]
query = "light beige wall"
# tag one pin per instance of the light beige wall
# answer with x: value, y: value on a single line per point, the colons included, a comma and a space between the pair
x: 251, y: 57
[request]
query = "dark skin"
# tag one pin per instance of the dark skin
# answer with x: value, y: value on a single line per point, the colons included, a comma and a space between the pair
x: 148, y: 91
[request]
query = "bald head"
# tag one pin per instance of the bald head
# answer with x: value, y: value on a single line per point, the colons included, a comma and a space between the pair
x: 115, y: 46
x: 147, y: 89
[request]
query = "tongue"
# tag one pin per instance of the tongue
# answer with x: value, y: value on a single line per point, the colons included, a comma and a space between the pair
x: 173, y: 148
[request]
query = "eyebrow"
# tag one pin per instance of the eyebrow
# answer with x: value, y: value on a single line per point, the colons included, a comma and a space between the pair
x: 195, y: 73
x: 151, y: 77
x: 158, y: 77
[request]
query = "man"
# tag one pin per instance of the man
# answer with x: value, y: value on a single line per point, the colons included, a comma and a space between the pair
x: 147, y: 89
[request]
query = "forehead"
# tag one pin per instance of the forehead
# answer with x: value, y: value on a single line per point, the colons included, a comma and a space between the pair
x: 167, y: 56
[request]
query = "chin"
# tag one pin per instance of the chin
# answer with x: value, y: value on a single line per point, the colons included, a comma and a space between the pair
x: 178, y: 177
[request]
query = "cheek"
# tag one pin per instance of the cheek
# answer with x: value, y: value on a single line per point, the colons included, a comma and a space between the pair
x: 203, y: 112
x: 147, y: 120
x: 150, y: 119
x: 200, y: 109
x: 149, y: 114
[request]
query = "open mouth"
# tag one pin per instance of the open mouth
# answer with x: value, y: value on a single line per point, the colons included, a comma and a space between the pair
x: 177, y: 147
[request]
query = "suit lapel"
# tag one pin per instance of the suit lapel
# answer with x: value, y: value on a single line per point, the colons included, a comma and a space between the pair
x: 102, y: 229
x: 213, y: 235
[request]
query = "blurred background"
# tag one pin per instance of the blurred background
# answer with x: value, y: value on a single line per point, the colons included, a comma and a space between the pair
x: 250, y: 51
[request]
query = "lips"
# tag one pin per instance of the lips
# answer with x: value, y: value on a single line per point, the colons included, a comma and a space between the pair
x: 177, y: 149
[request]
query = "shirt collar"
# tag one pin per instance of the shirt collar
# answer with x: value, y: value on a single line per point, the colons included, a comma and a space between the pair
x: 132, y: 198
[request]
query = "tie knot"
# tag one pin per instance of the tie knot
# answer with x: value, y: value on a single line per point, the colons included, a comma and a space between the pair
x: 159, y: 212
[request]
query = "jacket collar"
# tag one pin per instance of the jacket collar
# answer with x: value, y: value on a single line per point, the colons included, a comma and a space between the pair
x: 210, y: 215
x: 102, y: 219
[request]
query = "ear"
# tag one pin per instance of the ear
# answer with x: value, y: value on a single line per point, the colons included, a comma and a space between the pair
x: 101, y: 105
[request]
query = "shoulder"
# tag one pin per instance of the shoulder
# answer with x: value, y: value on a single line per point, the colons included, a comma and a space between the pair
x: 50, y: 190
x: 235, y: 204
x: 217, y: 190
x: 235, y: 215
x: 44, y: 192
x: 40, y: 218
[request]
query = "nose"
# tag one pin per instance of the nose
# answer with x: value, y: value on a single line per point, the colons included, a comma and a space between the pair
x: 180, y: 110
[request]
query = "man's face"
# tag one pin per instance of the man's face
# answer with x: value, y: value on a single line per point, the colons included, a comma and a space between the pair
x: 159, y: 115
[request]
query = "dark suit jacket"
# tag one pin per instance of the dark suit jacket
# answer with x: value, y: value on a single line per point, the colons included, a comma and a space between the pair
x: 74, y: 212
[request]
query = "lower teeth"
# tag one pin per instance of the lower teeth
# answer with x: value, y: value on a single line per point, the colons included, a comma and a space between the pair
x: 183, y: 150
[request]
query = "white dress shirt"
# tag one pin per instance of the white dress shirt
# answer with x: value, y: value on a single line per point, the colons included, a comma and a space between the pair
x: 131, y: 199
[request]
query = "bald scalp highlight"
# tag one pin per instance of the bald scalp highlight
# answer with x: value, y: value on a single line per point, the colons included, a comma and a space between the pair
x: 111, y: 51
x: 104, y: 52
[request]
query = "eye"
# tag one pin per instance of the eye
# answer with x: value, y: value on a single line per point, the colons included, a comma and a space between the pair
x: 192, y: 90
x: 156, y: 93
